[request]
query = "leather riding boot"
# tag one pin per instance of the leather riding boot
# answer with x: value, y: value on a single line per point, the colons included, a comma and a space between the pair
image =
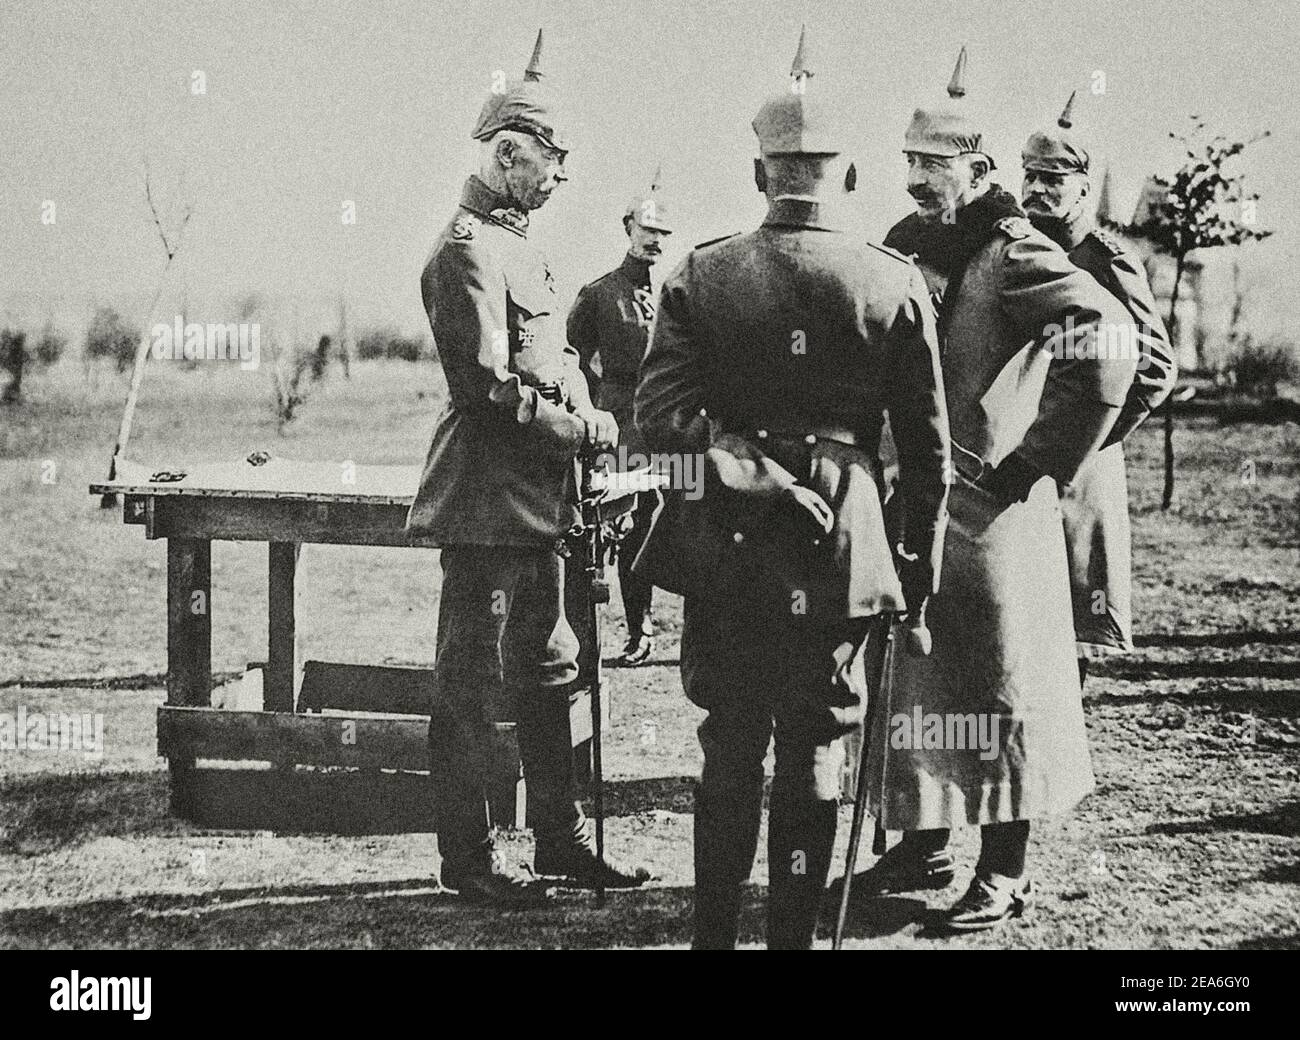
x: 546, y: 752
x: 726, y: 838
x: 800, y: 837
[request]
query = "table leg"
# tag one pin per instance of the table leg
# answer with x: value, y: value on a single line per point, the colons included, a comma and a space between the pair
x: 189, y: 642
x: 282, y: 643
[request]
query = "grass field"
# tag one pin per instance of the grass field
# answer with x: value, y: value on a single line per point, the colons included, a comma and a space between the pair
x: 1191, y: 840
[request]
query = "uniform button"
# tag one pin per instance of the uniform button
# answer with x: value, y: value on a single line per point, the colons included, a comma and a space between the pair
x: 703, y: 414
x: 762, y: 435
x: 810, y: 439
x: 737, y: 537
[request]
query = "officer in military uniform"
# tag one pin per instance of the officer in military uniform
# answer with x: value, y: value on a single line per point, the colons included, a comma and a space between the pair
x: 609, y: 326
x: 774, y: 354
x: 988, y: 729
x: 1094, y: 505
x: 496, y: 493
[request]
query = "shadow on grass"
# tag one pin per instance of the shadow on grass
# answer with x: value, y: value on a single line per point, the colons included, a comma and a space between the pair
x: 1224, y: 640
x: 402, y: 914
x: 399, y: 914
x: 39, y: 814
x: 1143, y: 671
x: 1271, y: 942
x: 1283, y: 821
x: 873, y: 918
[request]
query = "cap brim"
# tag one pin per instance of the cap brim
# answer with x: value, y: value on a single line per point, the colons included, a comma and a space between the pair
x: 1050, y: 166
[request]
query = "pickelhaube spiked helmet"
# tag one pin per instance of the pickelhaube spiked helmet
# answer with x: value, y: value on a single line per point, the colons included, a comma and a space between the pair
x: 525, y: 104
x: 800, y: 120
x: 949, y: 128
x: 647, y: 208
x: 1056, y: 150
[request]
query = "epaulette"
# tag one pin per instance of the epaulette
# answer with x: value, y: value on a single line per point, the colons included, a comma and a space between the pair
x: 1015, y: 228
x: 1112, y: 244
x: 715, y: 241
x: 465, y: 227
x: 891, y: 252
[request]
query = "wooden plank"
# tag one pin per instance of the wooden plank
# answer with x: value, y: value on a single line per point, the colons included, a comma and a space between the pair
x: 342, y: 481
x: 399, y: 690
x: 288, y: 739
x: 401, y: 743
x: 280, y: 520
x: 281, y: 676
x: 189, y: 622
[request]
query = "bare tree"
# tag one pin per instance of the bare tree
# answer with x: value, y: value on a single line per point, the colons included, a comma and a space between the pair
x: 171, y: 242
x: 1205, y: 206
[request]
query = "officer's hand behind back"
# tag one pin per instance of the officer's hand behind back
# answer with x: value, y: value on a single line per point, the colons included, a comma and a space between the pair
x: 813, y: 507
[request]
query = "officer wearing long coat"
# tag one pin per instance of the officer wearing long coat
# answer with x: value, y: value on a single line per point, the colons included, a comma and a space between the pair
x: 988, y: 729
x: 609, y: 326
x: 774, y: 355
x: 496, y: 493
x: 1094, y: 505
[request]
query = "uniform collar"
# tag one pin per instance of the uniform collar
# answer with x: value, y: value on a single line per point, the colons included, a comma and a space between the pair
x: 1066, y: 234
x: 801, y: 211
x: 481, y: 199
x: 636, y: 271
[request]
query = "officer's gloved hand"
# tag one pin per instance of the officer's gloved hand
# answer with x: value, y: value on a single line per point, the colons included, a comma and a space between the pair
x: 602, y: 429
x: 1012, y: 479
x: 811, y: 509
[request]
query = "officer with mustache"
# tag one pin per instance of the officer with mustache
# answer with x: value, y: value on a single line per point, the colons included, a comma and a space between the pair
x: 1056, y: 196
x: 497, y: 494
x: 609, y: 326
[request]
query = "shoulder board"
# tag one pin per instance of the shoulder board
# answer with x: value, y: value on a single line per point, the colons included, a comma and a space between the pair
x: 465, y: 227
x: 890, y: 252
x: 1109, y: 242
x: 715, y: 241
x: 1015, y: 227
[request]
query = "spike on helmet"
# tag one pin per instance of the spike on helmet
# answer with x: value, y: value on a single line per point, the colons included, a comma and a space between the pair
x: 800, y: 120
x: 525, y: 104
x: 648, y: 209
x: 949, y: 128
x: 1056, y: 150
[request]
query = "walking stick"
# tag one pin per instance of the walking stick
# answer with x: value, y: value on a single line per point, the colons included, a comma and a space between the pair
x: 875, y: 690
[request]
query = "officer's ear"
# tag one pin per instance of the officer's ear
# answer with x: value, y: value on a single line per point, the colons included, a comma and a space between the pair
x: 979, y: 171
x: 505, y: 152
x: 760, y: 176
x: 851, y: 177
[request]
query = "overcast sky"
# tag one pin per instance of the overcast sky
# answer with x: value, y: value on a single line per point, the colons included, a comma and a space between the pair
x: 311, y: 104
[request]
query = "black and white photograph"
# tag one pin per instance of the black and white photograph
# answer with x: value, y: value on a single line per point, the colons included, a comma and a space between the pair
x: 560, y: 474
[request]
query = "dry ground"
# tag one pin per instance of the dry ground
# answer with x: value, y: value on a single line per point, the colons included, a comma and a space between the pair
x: 1192, y: 839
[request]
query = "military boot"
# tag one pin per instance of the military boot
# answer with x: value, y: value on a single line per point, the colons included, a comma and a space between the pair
x: 569, y: 853
x: 726, y: 838
x: 800, y: 837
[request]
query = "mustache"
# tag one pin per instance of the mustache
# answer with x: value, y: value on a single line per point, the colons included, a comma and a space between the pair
x: 921, y: 195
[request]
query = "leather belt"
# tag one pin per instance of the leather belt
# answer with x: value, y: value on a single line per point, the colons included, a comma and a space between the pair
x: 968, y: 464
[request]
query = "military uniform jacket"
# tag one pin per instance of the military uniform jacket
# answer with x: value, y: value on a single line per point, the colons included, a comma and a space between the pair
x: 610, y: 321
x: 1003, y: 656
x: 1094, y: 506
x: 774, y: 354
x: 498, y: 472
